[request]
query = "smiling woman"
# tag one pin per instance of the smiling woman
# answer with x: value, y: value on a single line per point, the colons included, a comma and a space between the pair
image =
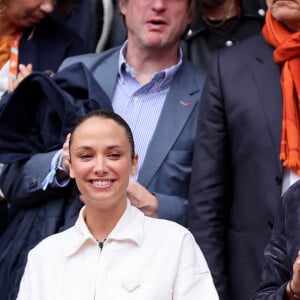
x: 111, y: 251
x: 102, y: 170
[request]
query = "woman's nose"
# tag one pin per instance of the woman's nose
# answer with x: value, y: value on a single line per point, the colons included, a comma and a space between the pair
x: 100, y: 167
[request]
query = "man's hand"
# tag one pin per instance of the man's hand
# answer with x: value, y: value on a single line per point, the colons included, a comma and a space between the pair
x: 141, y: 198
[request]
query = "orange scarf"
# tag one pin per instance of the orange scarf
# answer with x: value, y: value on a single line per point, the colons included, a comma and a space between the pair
x: 5, y: 43
x: 287, y: 55
x: 9, y: 50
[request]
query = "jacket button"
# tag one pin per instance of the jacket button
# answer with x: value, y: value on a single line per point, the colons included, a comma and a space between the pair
x: 278, y: 180
x: 261, y: 12
x: 229, y: 43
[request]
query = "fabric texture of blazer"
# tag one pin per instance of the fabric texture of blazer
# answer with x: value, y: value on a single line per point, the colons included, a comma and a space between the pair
x: 237, y: 174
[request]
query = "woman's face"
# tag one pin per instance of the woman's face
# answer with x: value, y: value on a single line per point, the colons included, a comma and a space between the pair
x: 27, y: 13
x: 286, y: 11
x: 101, y: 163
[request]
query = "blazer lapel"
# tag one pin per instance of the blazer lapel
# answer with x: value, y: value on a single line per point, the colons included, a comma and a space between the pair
x: 106, y: 73
x: 180, y: 102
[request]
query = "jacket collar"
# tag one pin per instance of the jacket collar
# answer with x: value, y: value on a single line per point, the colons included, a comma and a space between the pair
x: 130, y: 227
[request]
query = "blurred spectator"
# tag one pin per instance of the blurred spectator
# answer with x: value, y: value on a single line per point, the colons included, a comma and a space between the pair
x: 247, y: 150
x: 280, y: 278
x: 222, y: 23
x: 30, y: 39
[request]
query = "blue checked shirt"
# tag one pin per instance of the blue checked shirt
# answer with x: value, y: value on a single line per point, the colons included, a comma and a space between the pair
x: 141, y: 105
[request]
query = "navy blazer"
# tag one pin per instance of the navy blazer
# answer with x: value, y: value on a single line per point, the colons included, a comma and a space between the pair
x: 237, y: 174
x: 282, y: 249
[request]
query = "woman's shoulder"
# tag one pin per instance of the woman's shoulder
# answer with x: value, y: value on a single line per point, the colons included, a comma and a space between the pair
x: 53, y: 245
x: 166, y: 229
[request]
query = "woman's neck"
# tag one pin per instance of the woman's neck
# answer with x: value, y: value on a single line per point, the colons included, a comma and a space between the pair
x: 102, y: 222
x: 7, y: 27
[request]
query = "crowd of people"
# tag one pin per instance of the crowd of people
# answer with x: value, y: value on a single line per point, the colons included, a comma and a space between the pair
x: 169, y: 154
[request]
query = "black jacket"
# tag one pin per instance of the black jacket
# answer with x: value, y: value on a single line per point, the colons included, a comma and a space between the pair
x: 202, y: 41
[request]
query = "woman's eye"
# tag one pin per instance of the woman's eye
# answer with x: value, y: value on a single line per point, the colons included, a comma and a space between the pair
x: 85, y: 156
x: 114, y: 155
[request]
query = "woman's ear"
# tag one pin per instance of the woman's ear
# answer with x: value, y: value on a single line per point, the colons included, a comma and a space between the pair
x: 134, y: 165
x: 71, y: 172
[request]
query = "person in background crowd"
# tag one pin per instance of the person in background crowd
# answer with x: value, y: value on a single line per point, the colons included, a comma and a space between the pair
x: 247, y: 150
x: 67, y: 265
x: 280, y: 275
x: 222, y: 23
x: 30, y: 39
x: 157, y: 91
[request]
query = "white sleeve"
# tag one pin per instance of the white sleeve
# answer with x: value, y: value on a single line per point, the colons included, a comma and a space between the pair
x: 193, y: 280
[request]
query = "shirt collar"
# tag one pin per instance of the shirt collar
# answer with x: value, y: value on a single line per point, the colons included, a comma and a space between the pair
x: 130, y: 227
x: 165, y: 76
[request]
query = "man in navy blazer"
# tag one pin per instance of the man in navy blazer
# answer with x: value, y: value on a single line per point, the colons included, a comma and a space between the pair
x: 236, y: 182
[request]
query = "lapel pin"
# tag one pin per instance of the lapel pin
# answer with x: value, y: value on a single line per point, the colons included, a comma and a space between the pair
x: 185, y: 104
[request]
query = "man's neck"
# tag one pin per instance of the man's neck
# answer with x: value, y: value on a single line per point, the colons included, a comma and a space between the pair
x: 147, y: 62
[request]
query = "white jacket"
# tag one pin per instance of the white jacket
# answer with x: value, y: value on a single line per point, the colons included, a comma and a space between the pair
x: 143, y: 259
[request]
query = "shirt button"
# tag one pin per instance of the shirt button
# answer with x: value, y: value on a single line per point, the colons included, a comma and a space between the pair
x: 135, y: 99
x: 229, y: 43
x: 261, y: 12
